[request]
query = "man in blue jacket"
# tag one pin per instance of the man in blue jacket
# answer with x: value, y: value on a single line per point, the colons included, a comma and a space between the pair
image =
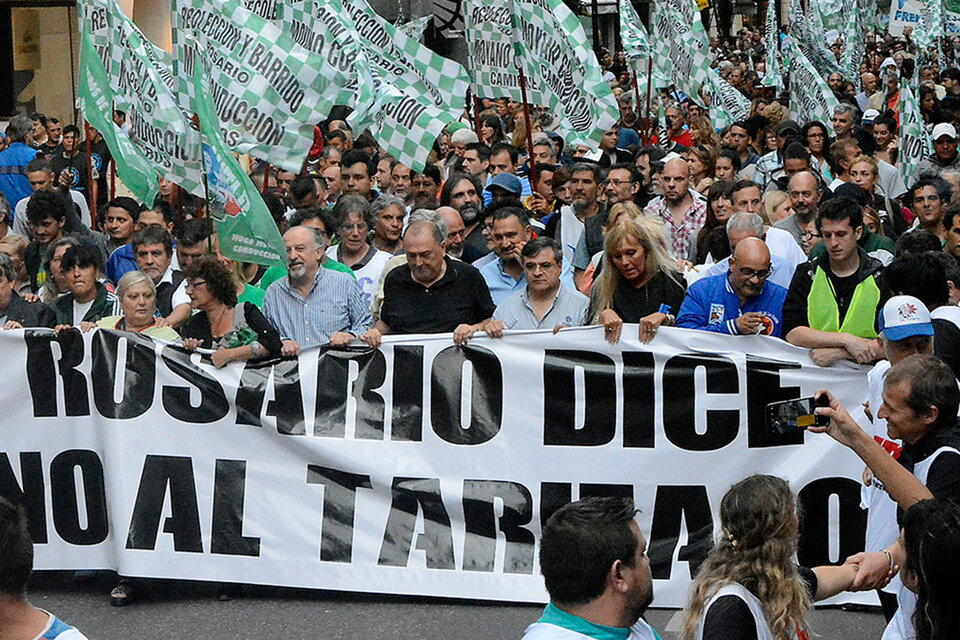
x: 740, y: 302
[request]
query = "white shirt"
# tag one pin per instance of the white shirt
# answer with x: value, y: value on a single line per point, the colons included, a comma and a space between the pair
x: 368, y: 276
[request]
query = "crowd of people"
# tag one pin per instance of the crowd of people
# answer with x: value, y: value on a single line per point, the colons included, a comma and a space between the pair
x: 767, y: 226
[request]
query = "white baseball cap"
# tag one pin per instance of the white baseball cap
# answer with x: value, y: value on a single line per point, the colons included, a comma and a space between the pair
x: 944, y: 129
x: 903, y: 317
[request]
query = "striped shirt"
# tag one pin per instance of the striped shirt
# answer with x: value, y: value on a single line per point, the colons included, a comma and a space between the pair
x: 335, y: 303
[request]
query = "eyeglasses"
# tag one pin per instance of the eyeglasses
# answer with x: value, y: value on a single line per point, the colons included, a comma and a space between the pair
x: 195, y: 284
x: 763, y: 274
x: 807, y: 236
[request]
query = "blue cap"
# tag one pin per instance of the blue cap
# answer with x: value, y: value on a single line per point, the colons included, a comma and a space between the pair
x: 507, y: 182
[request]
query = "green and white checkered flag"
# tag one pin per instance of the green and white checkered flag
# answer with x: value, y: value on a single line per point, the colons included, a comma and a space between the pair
x: 633, y: 35
x: 682, y: 47
x: 415, y: 28
x: 772, y: 77
x: 914, y: 142
x: 158, y: 126
x: 562, y: 72
x: 727, y: 105
x: 269, y: 91
x: 811, y: 41
x: 854, y: 41
x: 412, y: 68
x: 930, y: 28
x: 245, y: 228
x: 810, y: 96
x: 95, y: 100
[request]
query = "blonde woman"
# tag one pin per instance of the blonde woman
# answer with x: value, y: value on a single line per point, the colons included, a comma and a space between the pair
x: 750, y: 586
x: 777, y: 205
x: 618, y: 212
x: 637, y: 282
x: 702, y: 132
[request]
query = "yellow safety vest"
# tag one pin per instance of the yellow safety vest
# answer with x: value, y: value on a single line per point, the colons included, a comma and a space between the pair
x: 823, y: 314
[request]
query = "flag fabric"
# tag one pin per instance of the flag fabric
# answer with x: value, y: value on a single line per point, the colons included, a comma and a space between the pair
x: 159, y: 128
x: 411, y: 67
x: 772, y: 77
x: 415, y: 28
x: 560, y: 69
x: 681, y: 45
x: 95, y: 100
x: 269, y: 91
x: 854, y: 40
x: 245, y: 228
x: 727, y: 105
x: 811, y: 41
x: 914, y: 142
x: 552, y: 47
x: 633, y: 35
x: 930, y: 28
x: 810, y: 96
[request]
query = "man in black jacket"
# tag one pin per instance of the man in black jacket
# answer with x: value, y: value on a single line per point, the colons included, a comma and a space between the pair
x: 15, y: 312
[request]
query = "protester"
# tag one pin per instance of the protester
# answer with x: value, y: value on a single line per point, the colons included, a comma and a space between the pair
x: 234, y: 330
x: 749, y: 586
x: 15, y: 311
x: 354, y: 221
x: 544, y: 303
x: 390, y: 212
x: 14, y: 159
x: 20, y: 620
x: 432, y: 293
x: 88, y: 299
x: 682, y: 213
x: 637, y: 283
x: 314, y: 305
x: 137, y: 294
x: 595, y: 568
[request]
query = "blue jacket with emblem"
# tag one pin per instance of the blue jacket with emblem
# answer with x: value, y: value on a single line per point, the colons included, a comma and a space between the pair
x: 712, y: 305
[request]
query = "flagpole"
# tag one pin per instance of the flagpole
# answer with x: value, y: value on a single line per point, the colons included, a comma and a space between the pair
x: 476, y: 115
x: 113, y: 179
x: 91, y: 187
x: 526, y: 114
x: 646, y: 121
x: 266, y: 179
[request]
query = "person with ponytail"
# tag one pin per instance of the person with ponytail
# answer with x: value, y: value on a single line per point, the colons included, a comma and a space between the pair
x: 750, y: 587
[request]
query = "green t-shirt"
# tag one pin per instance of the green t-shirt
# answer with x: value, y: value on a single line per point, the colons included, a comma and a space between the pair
x: 251, y: 294
x: 273, y: 274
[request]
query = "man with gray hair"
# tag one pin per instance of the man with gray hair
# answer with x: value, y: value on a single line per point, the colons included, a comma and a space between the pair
x: 432, y: 293
x: 15, y: 312
x: 15, y: 158
x: 845, y: 119
x: 785, y: 253
x: 314, y: 306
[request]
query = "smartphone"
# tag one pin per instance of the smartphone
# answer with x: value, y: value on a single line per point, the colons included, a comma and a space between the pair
x: 790, y: 415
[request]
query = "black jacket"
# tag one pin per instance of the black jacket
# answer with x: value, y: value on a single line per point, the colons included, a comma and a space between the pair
x: 30, y: 314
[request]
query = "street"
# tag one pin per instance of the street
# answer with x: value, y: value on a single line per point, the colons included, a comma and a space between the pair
x: 174, y: 610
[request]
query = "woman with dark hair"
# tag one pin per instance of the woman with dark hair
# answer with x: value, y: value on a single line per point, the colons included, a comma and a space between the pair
x: 719, y: 210
x: 637, y: 282
x: 702, y: 161
x: 750, y: 586
x: 727, y: 165
x: 234, y: 331
x: 931, y: 538
x: 817, y: 139
x: 491, y: 130
x: 930, y: 107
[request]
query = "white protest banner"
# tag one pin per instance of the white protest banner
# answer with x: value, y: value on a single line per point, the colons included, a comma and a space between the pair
x: 910, y: 13
x: 808, y: 36
x: 421, y: 468
x: 810, y: 96
x: 681, y: 46
x: 269, y: 91
x: 773, y: 77
x: 727, y: 105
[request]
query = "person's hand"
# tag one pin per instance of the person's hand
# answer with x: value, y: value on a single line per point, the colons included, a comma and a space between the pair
x: 289, y: 348
x: 863, y: 350
x: 842, y: 427
x: 494, y: 329
x: 60, y: 328
x: 684, y: 265
x: 30, y: 297
x: 873, y: 570
x: 221, y: 357
x: 65, y: 180
x: 12, y: 324
x: 750, y: 323
x: 649, y: 324
x: 162, y: 322
x: 372, y: 337
x: 537, y: 203
x: 557, y: 328
x: 826, y: 356
x: 191, y: 344
x: 612, y: 325
x: 867, y: 476
x: 867, y: 411
x: 341, y: 339
x: 86, y: 326
x: 463, y: 333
